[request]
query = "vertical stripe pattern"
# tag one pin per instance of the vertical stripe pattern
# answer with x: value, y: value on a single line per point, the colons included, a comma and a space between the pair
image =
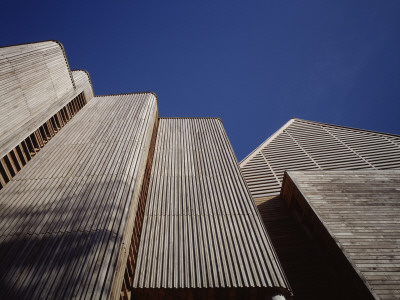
x: 201, y: 228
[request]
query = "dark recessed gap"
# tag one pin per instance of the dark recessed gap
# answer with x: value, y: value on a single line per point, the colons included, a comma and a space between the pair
x: 20, y: 155
x: 12, y: 162
x: 137, y: 228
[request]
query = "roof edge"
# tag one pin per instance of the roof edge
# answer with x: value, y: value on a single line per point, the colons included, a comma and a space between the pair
x: 66, y: 61
x: 87, y: 73
x: 287, y: 180
x: 61, y: 47
x: 347, y: 127
x: 216, y: 118
x: 256, y: 150
x: 133, y: 93
x: 266, y: 142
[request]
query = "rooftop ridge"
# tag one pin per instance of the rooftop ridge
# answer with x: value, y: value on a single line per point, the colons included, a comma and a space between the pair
x: 347, y: 127
x: 263, y: 144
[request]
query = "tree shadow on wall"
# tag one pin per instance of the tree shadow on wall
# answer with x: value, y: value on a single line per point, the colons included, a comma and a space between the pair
x: 62, y: 261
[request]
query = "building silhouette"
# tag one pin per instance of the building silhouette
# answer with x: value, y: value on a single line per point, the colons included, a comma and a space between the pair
x: 102, y: 198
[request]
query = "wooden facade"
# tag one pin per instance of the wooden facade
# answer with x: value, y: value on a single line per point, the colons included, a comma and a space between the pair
x: 354, y: 218
x: 81, y: 177
x: 67, y: 217
x: 38, y: 95
x: 201, y: 230
x: 101, y: 198
x: 306, y: 145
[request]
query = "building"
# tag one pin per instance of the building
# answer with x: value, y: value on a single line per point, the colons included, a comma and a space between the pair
x: 352, y: 163
x: 102, y: 198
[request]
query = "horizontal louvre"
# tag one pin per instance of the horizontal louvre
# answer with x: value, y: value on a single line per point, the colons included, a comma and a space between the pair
x: 305, y: 145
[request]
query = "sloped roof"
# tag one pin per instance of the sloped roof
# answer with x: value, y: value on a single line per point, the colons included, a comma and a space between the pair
x: 301, y: 145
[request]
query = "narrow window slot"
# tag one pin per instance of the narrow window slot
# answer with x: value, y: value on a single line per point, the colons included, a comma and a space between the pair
x: 34, y: 142
x: 75, y: 106
x: 63, y: 116
x: 50, y: 127
x: 8, y: 166
x: 73, y: 102
x: 26, y: 150
x: 43, y: 135
x: 23, y: 152
x: 3, y: 174
x: 57, y: 121
x: 20, y: 155
x: 54, y: 125
x: 17, y: 164
x: 70, y: 111
x: 39, y: 139
x: 60, y: 119
x: 66, y: 112
x: 47, y: 131
x: 80, y: 102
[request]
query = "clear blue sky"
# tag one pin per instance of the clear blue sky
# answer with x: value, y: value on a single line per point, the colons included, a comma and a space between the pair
x: 254, y: 64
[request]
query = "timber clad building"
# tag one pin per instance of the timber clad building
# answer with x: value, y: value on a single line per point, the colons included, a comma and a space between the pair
x: 102, y: 198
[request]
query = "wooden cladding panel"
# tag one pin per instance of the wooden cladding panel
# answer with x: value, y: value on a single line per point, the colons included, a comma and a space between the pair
x: 65, y: 218
x: 201, y: 228
x: 126, y: 290
x: 354, y: 218
x: 83, y: 82
x: 34, y: 78
x: 35, y: 83
x: 23, y: 152
x: 306, y: 145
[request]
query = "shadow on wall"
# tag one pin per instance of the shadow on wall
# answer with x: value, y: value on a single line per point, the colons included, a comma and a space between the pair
x: 72, y: 256
x: 302, y: 263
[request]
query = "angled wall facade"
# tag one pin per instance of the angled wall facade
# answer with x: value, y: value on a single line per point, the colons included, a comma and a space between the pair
x: 39, y: 94
x: 354, y: 216
x: 306, y: 145
x: 67, y: 215
x: 99, y: 196
x: 314, y: 147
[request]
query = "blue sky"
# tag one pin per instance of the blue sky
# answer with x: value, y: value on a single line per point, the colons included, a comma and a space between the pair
x: 254, y: 64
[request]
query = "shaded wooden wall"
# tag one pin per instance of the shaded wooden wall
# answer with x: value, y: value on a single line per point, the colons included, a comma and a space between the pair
x: 66, y: 218
x: 353, y: 217
x: 306, y: 145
